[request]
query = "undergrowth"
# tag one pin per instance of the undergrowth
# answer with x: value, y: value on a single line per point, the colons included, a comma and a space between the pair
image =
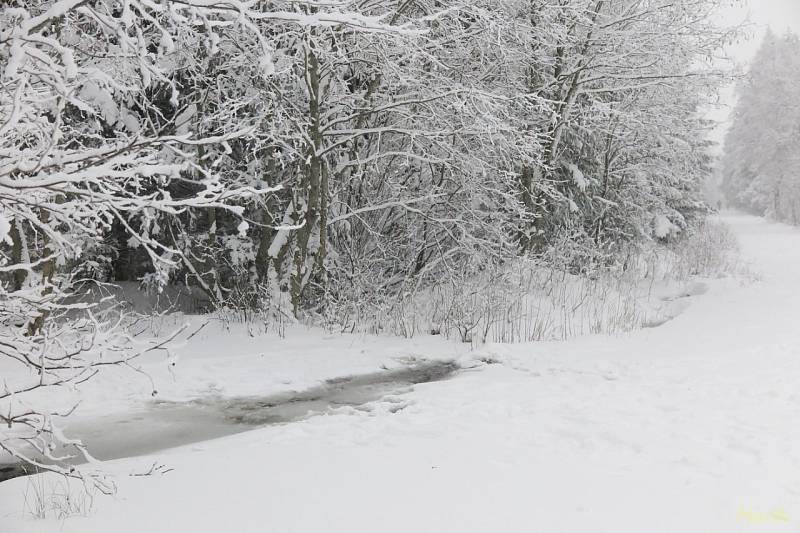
x: 531, y: 300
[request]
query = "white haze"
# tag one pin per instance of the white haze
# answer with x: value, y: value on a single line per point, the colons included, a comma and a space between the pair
x: 756, y: 16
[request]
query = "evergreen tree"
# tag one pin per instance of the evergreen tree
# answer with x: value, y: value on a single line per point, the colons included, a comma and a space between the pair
x: 761, y: 163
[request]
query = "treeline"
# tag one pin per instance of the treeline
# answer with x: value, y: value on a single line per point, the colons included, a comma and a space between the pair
x: 761, y: 165
x: 310, y: 152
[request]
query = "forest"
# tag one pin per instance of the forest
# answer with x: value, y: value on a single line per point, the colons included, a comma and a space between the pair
x: 338, y: 153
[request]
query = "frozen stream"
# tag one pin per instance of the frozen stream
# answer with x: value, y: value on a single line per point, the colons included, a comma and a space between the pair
x: 164, y: 424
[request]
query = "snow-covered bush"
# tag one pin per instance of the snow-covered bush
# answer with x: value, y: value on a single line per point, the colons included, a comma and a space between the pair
x: 709, y: 250
x: 535, y: 300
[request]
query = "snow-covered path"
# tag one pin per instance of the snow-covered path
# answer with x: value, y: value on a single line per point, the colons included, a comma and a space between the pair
x: 690, y: 427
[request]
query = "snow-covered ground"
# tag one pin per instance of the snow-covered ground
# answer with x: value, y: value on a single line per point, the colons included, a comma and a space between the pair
x: 693, y: 426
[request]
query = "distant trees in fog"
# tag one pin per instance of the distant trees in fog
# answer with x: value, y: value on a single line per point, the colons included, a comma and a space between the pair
x: 761, y: 165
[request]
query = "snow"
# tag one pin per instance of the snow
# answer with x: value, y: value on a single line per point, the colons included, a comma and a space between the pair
x: 662, y: 226
x: 267, y: 66
x: 688, y: 427
x: 93, y: 93
x: 184, y: 119
x: 577, y: 177
x: 573, y: 207
x: 5, y: 228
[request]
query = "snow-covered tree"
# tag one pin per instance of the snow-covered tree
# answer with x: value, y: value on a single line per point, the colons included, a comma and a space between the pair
x: 761, y: 164
x: 119, y: 122
x: 626, y: 146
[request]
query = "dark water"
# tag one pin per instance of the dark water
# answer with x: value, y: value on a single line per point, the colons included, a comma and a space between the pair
x: 162, y: 424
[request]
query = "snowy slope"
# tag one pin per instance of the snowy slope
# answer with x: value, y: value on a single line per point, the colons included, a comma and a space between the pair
x: 690, y: 427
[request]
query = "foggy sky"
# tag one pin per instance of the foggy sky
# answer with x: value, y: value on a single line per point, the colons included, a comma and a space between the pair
x: 780, y: 15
